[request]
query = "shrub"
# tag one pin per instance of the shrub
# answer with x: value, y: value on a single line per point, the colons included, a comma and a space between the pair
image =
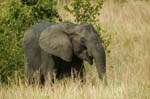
x: 13, y: 25
x: 29, y: 2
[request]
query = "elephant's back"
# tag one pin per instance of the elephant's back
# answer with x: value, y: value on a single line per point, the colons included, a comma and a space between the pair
x: 32, y: 35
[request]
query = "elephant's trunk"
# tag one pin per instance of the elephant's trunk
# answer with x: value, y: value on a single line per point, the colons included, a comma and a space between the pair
x: 98, y: 54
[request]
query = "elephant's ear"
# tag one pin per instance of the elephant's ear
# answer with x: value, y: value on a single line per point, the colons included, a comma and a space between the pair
x: 56, y: 42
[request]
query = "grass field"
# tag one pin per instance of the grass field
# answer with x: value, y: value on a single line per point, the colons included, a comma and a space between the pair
x: 128, y: 64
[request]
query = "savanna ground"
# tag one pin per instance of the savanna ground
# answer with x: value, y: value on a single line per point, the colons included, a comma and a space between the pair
x: 128, y: 64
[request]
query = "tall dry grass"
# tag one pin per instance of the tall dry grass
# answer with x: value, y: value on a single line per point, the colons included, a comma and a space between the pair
x: 128, y: 64
x: 129, y: 25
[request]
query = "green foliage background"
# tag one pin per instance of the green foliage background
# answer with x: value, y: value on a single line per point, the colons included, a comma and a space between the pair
x: 16, y: 19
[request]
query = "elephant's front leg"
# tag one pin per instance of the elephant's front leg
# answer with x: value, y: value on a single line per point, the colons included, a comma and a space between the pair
x: 47, y: 68
x: 79, y: 72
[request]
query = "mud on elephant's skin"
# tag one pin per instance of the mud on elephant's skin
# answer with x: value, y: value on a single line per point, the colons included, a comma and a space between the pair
x: 62, y: 47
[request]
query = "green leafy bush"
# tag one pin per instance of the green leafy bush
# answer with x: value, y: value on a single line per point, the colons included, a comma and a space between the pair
x: 87, y: 11
x: 29, y: 2
x: 84, y: 10
x: 18, y: 18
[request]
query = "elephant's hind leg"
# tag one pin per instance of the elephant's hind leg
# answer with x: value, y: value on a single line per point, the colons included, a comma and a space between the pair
x: 29, y: 73
x: 47, y: 68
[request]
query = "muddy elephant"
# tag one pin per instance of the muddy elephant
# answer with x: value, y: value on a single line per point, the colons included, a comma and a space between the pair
x: 59, y: 48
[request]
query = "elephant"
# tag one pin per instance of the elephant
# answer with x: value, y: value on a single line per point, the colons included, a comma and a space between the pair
x: 60, y: 48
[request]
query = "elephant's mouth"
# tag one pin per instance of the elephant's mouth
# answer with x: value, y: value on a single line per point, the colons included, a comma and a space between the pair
x: 85, y: 56
x: 90, y: 60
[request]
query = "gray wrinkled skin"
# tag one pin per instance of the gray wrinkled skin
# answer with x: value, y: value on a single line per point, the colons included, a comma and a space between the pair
x: 32, y: 50
x: 58, y: 48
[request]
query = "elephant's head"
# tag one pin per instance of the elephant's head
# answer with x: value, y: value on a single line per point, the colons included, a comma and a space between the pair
x: 65, y: 39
